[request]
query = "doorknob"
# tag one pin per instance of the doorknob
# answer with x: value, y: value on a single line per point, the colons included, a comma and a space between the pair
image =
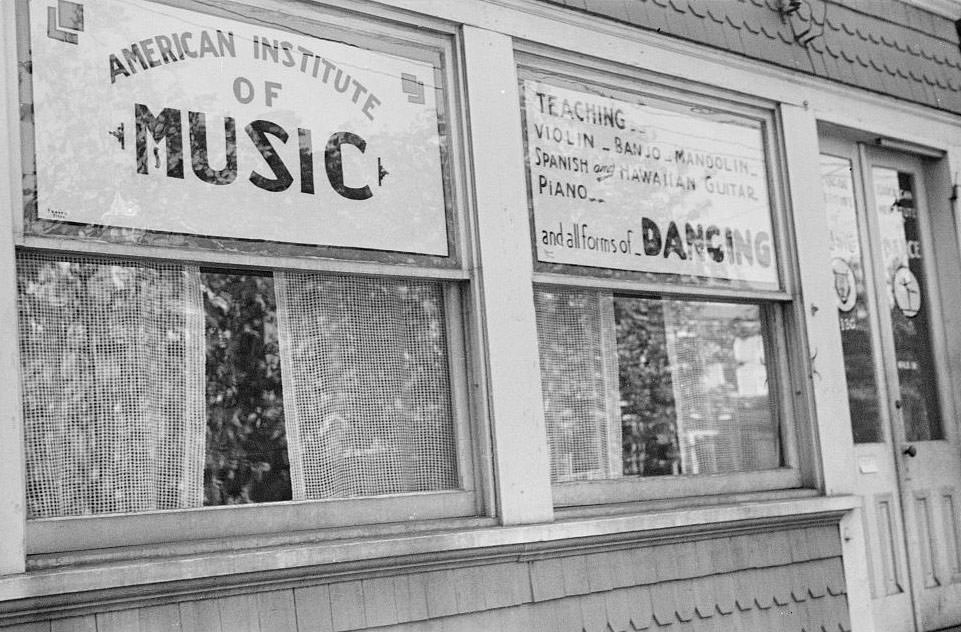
x: 910, y: 451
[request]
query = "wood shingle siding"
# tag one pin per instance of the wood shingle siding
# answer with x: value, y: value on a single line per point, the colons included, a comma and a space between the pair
x: 784, y: 580
x: 890, y: 47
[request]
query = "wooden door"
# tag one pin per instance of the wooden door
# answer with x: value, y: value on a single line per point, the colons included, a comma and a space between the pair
x: 890, y: 273
x: 911, y: 272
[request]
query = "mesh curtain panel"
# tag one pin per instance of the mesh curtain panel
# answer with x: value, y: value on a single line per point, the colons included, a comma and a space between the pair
x: 697, y: 421
x: 366, y: 385
x: 725, y: 421
x: 112, y: 361
x: 579, y: 380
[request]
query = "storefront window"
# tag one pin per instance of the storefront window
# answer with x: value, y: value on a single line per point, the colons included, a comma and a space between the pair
x: 635, y: 201
x: 252, y: 294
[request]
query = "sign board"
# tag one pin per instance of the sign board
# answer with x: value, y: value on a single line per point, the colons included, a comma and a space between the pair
x: 630, y: 186
x: 152, y: 117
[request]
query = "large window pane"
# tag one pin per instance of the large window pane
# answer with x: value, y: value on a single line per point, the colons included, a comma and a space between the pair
x: 152, y: 386
x: 652, y: 387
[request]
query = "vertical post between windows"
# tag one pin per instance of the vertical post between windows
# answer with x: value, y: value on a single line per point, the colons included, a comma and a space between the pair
x: 832, y: 425
x: 505, y: 279
x: 12, y: 505
x: 817, y: 307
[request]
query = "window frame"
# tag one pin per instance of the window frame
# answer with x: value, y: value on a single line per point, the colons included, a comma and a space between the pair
x: 565, y: 71
x: 781, y: 326
x: 382, y: 33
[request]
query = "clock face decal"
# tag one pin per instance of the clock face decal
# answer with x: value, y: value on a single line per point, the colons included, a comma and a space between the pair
x: 907, y: 292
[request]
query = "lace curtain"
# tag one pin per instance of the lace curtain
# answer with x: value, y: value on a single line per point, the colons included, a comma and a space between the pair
x: 113, y: 385
x: 366, y: 385
x: 113, y: 356
x: 579, y: 381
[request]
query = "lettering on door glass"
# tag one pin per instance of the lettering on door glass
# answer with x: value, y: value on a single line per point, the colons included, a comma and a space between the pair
x: 849, y: 286
x: 905, y: 281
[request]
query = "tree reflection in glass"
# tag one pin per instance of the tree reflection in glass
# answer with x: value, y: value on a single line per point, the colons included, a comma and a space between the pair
x: 246, y: 446
x: 682, y: 384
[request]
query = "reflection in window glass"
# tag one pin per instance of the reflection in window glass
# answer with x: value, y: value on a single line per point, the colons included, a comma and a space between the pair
x: 651, y: 387
x: 904, y: 276
x: 849, y: 286
x: 246, y: 443
x: 152, y: 386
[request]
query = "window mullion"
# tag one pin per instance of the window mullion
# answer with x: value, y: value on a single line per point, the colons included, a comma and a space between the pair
x: 507, y: 306
x: 820, y: 364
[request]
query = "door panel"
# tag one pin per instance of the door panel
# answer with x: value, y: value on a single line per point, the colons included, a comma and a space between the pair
x: 916, y: 372
x: 952, y: 532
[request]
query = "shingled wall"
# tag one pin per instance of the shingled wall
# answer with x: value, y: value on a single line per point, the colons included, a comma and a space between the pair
x: 790, y: 581
x: 886, y: 47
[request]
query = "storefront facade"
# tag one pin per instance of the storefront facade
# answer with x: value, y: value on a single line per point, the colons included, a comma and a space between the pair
x: 480, y: 315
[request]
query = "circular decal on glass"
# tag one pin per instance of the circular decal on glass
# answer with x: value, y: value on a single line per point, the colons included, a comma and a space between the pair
x: 845, y: 285
x: 907, y: 292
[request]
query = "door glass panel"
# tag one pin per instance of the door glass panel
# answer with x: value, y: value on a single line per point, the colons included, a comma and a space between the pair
x: 849, y: 286
x: 906, y: 289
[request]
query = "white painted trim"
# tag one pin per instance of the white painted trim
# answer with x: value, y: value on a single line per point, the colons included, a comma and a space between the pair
x: 828, y: 381
x: 216, y: 258
x: 521, y: 461
x: 662, y: 289
x: 948, y: 169
x: 222, y: 564
x: 51, y: 535
x: 12, y: 494
x: 634, y: 488
x: 856, y: 578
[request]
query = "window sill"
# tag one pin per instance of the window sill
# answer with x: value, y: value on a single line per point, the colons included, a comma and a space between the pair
x: 601, y: 507
x: 240, y: 522
x: 671, y: 488
x: 182, y: 571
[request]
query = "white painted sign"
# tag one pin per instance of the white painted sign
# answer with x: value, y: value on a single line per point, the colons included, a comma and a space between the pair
x: 153, y: 117
x: 621, y: 185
